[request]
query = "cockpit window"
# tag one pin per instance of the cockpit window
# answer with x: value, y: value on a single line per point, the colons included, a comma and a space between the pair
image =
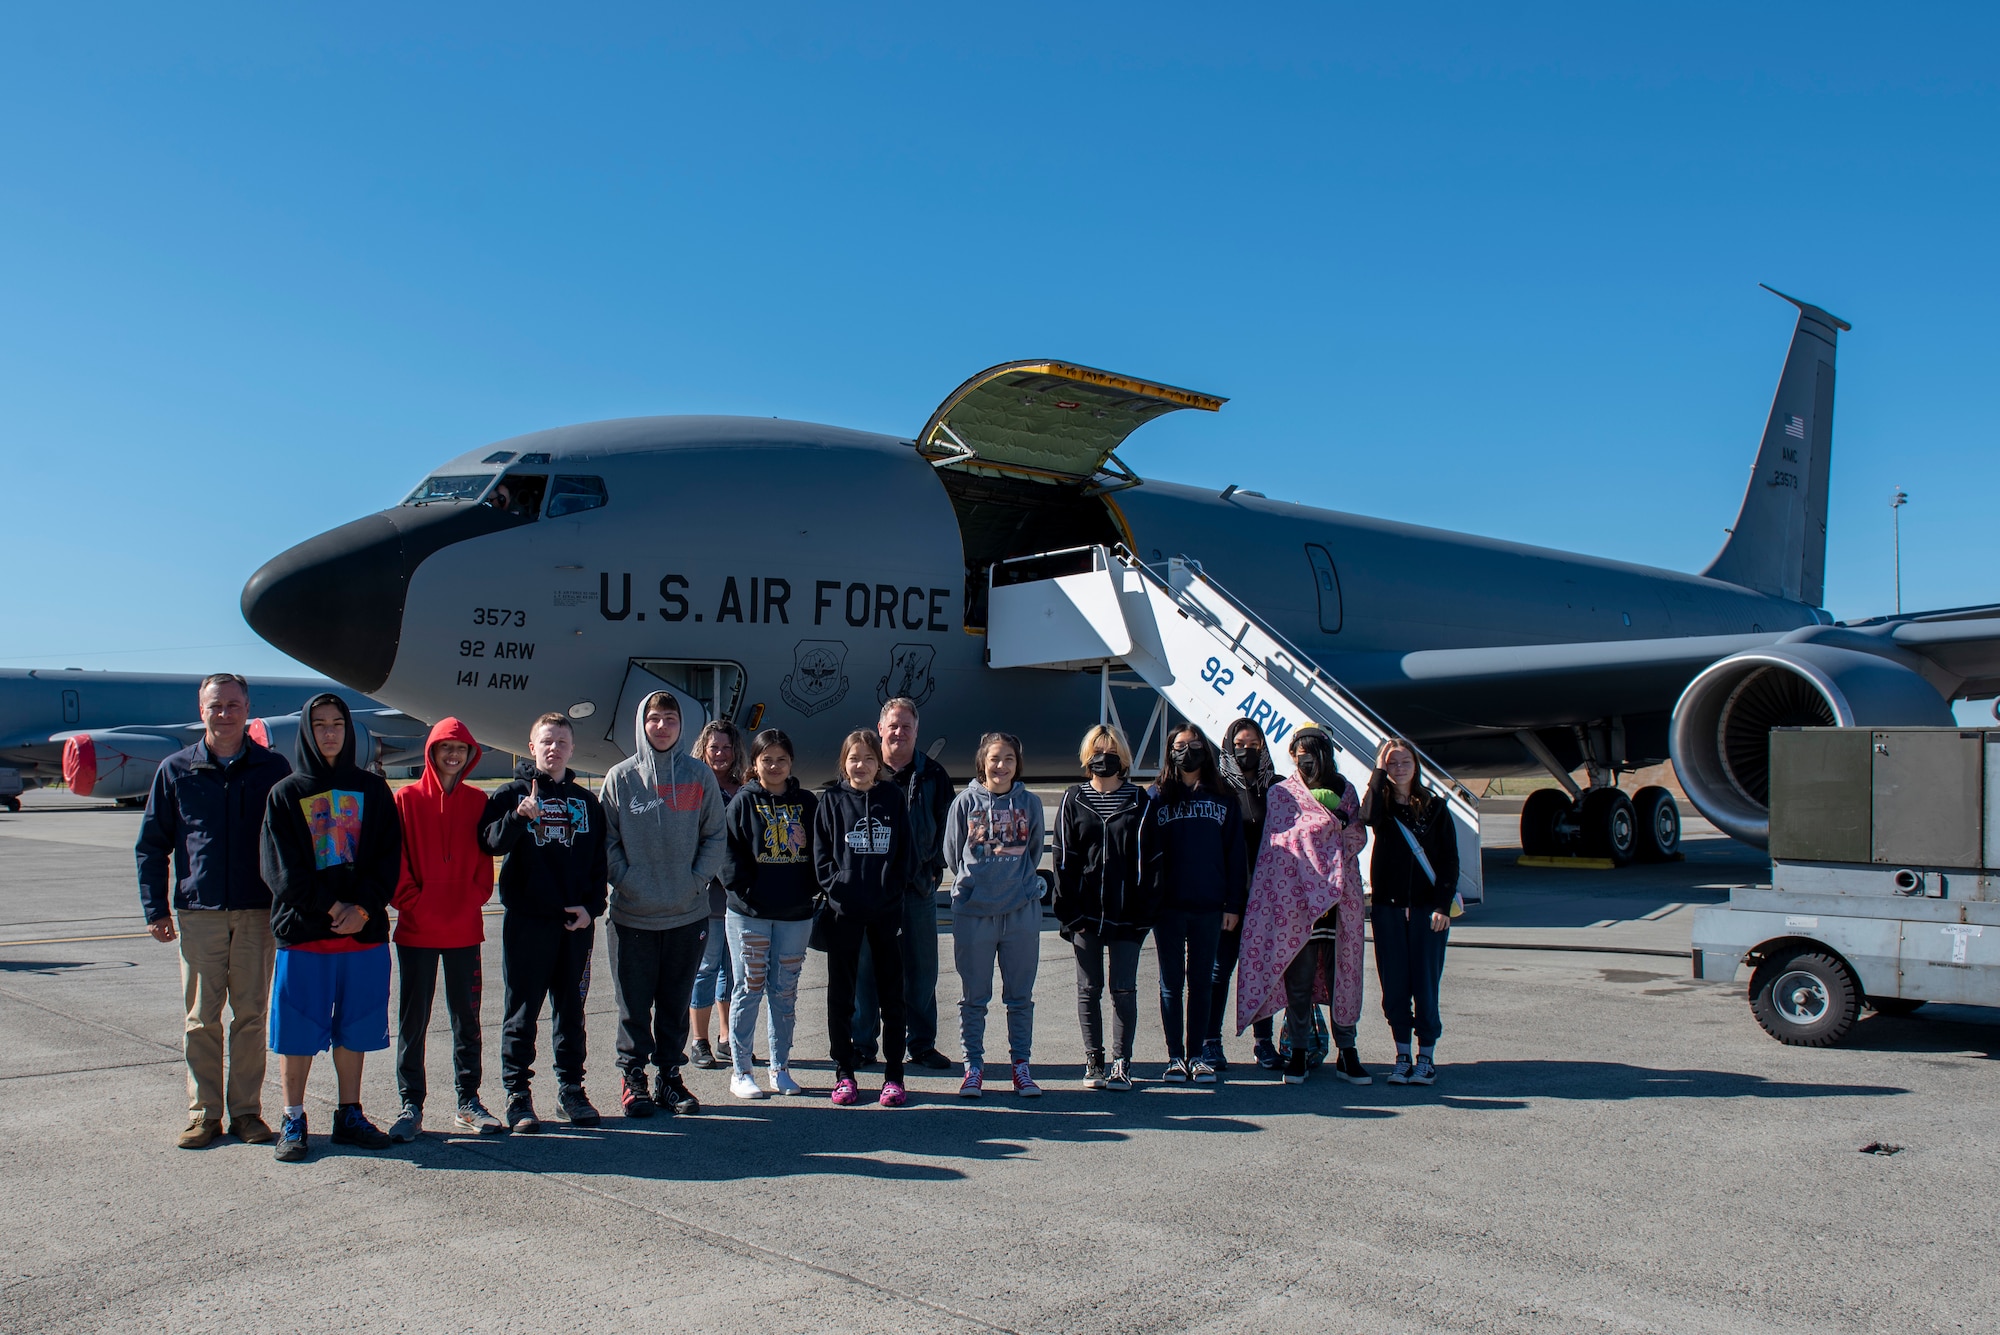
x: 519, y: 494
x: 450, y: 487
x: 571, y: 495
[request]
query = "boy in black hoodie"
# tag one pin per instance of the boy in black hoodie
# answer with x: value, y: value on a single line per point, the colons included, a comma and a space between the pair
x: 332, y: 850
x: 550, y: 829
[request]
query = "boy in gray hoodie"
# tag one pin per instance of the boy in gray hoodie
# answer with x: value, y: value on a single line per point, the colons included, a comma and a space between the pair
x: 664, y: 842
x: 993, y: 845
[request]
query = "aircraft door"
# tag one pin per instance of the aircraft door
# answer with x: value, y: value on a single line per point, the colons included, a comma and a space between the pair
x: 706, y: 690
x: 72, y: 708
x: 1326, y: 582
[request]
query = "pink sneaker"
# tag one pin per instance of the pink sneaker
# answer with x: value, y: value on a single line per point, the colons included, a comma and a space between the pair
x: 893, y: 1095
x: 846, y: 1092
x: 1024, y: 1084
x: 974, y: 1083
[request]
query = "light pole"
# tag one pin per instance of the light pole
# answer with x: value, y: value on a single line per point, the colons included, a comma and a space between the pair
x: 1896, y: 504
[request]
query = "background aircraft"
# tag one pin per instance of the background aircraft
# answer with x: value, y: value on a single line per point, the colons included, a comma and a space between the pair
x: 817, y: 571
x: 104, y: 733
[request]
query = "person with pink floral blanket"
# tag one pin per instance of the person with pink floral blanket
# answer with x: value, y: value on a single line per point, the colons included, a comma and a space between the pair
x: 1303, y: 927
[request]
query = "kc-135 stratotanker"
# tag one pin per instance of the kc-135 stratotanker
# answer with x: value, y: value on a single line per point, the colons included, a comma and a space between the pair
x: 1006, y: 569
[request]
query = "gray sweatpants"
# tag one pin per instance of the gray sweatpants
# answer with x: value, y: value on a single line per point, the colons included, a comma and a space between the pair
x: 1016, y: 939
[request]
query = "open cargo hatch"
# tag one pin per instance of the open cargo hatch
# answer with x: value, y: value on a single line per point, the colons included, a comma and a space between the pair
x: 1051, y: 418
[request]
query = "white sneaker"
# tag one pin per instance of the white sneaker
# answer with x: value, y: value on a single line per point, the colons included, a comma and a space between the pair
x: 746, y: 1087
x: 782, y: 1083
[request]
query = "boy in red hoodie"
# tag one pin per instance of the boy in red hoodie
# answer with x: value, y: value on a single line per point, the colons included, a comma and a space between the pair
x: 447, y: 879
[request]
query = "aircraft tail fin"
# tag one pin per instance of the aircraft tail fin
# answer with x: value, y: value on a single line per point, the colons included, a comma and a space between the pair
x: 1778, y: 545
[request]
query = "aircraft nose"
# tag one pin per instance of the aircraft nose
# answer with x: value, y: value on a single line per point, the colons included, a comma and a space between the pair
x: 335, y: 602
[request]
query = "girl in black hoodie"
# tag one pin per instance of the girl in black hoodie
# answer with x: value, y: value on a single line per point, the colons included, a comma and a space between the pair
x: 861, y: 854
x: 1103, y: 902
x: 1246, y: 771
x: 772, y: 887
x: 1196, y: 859
x: 332, y: 852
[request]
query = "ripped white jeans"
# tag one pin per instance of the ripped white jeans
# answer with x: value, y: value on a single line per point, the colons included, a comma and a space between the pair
x: 767, y: 955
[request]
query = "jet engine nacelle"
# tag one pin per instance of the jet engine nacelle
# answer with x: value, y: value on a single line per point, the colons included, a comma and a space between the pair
x: 1720, y: 738
x: 113, y: 763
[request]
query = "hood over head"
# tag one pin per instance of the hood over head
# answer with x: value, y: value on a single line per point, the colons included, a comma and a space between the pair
x: 648, y: 759
x: 447, y: 730
x: 1255, y: 780
x: 306, y: 758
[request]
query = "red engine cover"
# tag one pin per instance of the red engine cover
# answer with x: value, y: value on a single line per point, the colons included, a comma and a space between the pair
x: 80, y: 765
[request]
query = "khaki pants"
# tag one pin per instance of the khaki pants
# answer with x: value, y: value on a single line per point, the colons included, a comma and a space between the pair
x: 225, y: 956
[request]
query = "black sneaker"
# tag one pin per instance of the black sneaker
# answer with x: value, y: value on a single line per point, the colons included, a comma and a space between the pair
x: 1350, y: 1069
x: 291, y: 1139
x: 1211, y: 1052
x: 1295, y: 1069
x: 1425, y: 1072
x: 521, y: 1119
x: 352, y: 1127
x: 1093, y: 1072
x: 671, y: 1093
x: 1267, y: 1056
x: 575, y: 1106
x: 635, y: 1098
x: 1120, y: 1075
x: 1177, y: 1071
x: 933, y: 1059
x: 704, y: 1057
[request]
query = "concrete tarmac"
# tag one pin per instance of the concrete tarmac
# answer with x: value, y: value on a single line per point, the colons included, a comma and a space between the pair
x: 1611, y: 1146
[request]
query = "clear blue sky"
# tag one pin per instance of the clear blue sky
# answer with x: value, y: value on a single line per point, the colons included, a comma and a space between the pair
x: 1479, y: 268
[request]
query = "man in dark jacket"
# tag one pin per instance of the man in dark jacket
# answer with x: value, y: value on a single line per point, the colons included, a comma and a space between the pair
x: 550, y: 829
x: 332, y: 853
x: 927, y: 797
x: 204, y: 817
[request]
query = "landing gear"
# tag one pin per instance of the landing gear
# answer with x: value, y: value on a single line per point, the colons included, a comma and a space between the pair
x: 1602, y: 823
x: 1659, y: 824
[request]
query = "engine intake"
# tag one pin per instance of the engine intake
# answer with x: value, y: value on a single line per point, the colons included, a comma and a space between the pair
x: 1720, y: 739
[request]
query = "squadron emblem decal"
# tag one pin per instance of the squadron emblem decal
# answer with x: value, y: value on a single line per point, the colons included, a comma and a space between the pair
x: 815, y: 682
x: 909, y: 674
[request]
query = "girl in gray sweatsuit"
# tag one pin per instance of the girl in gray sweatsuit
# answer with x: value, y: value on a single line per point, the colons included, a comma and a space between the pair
x: 993, y: 845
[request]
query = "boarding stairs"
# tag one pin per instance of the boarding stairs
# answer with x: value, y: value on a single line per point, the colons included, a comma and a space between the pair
x: 1206, y: 655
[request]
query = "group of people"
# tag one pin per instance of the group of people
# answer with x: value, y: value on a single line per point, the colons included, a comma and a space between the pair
x: 718, y: 870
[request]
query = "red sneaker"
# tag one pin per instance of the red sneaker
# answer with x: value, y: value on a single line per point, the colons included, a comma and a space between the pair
x: 974, y: 1083
x: 1024, y: 1083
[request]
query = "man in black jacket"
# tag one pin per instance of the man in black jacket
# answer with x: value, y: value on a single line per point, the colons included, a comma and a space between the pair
x: 550, y: 829
x: 204, y: 818
x: 927, y: 796
x: 332, y: 852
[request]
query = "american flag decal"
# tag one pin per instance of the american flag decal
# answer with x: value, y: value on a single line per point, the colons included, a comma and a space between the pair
x: 1795, y: 427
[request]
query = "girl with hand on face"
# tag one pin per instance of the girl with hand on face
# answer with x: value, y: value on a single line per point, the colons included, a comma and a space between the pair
x: 993, y: 845
x: 861, y: 855
x: 1199, y: 868
x: 719, y: 746
x: 1104, y: 903
x: 1245, y: 766
x: 1413, y: 874
x: 772, y: 889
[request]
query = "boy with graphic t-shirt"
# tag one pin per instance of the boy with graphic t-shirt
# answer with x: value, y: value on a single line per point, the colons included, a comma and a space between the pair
x: 332, y: 849
x: 550, y: 830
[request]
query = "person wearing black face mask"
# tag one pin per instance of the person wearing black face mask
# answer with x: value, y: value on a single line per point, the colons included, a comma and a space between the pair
x: 1247, y: 773
x: 1195, y: 859
x: 1103, y: 902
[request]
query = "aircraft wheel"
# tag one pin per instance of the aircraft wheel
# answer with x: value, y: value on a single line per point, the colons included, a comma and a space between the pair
x: 1539, y: 815
x: 1895, y: 1005
x: 12, y: 804
x: 1610, y: 826
x: 1659, y: 824
x: 1805, y: 998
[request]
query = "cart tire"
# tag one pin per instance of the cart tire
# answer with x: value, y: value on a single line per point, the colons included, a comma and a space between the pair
x: 12, y: 804
x: 1806, y: 998
x: 1895, y: 1005
x: 1539, y: 814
